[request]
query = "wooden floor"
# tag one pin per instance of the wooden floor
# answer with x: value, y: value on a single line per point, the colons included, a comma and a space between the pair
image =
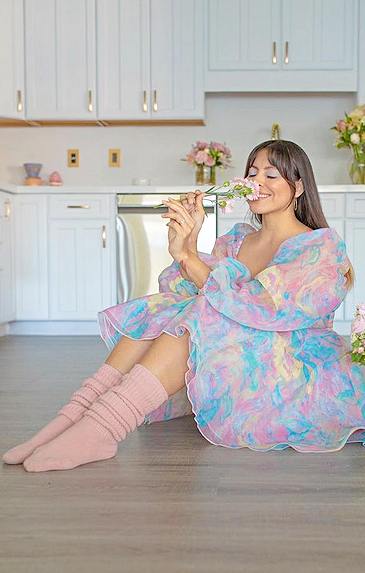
x: 169, y: 501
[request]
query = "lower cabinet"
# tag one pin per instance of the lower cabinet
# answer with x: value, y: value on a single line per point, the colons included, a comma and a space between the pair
x: 79, y: 268
x: 7, y: 279
x: 65, y: 256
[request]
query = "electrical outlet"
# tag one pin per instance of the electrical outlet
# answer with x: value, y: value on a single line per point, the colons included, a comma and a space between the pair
x: 114, y: 157
x: 73, y: 157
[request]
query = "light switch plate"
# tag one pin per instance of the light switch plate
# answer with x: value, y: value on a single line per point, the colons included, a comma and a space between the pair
x: 73, y: 157
x: 114, y: 157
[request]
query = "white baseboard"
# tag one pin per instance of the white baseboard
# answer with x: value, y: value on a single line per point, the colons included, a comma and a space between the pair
x: 53, y: 327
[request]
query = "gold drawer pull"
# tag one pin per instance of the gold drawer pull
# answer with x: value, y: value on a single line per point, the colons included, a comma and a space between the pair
x: 90, y: 106
x: 286, y: 57
x: 103, y: 236
x: 78, y: 206
x: 154, y: 100
x: 145, y: 108
x: 274, y: 58
x: 7, y: 209
x: 19, y: 103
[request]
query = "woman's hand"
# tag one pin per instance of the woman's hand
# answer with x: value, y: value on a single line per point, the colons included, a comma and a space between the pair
x: 193, y: 203
x: 181, y: 226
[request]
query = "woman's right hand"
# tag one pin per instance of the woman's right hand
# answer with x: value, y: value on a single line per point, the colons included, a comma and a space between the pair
x: 193, y: 203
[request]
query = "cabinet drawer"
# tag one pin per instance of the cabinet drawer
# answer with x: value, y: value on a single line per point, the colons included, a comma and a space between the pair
x: 333, y: 204
x: 355, y: 205
x: 79, y: 206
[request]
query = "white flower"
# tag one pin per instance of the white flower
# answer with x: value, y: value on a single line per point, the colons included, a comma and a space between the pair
x: 355, y: 138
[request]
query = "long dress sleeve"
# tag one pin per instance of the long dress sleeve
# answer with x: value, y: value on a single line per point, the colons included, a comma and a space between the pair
x: 305, y: 285
x: 171, y: 280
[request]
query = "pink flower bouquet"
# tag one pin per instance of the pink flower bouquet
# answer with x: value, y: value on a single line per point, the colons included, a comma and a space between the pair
x: 358, y: 335
x: 209, y: 154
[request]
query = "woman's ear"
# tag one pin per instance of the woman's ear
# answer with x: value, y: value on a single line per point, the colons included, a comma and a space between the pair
x: 299, y: 189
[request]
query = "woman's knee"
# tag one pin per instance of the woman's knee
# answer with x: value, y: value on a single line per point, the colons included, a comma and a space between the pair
x: 167, y: 359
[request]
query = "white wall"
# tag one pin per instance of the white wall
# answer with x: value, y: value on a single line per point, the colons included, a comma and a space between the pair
x: 241, y: 120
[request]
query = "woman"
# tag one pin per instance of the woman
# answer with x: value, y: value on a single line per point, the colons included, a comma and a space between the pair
x: 242, y: 338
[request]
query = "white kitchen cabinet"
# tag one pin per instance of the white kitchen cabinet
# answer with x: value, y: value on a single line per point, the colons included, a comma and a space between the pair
x: 150, y: 59
x: 282, y: 45
x: 7, y: 279
x: 81, y: 256
x: 31, y: 257
x: 11, y: 59
x: 60, y: 59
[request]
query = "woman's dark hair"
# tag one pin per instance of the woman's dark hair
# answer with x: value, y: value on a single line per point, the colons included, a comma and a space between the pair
x: 293, y: 164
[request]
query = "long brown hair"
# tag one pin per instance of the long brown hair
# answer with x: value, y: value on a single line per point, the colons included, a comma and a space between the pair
x: 293, y: 164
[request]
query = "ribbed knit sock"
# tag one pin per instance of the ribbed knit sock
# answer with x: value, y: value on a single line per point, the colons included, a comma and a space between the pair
x: 108, y: 421
x: 91, y: 389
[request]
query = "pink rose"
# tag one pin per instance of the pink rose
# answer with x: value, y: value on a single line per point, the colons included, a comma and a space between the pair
x: 341, y: 125
x: 358, y: 325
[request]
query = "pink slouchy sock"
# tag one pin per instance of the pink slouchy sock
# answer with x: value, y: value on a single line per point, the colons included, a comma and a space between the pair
x: 91, y: 389
x: 108, y: 421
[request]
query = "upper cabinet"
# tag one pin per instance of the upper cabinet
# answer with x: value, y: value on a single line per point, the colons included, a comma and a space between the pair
x: 11, y: 59
x: 150, y: 59
x: 282, y: 45
x: 60, y: 59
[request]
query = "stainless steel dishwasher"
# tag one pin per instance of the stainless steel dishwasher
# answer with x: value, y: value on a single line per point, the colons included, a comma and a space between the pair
x: 142, y: 244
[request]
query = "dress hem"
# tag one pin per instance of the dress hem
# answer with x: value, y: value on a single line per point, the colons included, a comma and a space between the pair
x: 102, y: 318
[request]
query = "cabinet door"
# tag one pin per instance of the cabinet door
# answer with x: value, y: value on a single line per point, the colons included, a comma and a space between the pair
x: 60, y: 59
x: 7, y: 280
x: 80, y: 268
x: 318, y: 34
x: 11, y: 59
x: 177, y: 59
x: 244, y: 34
x: 31, y: 257
x: 123, y: 50
x: 355, y: 241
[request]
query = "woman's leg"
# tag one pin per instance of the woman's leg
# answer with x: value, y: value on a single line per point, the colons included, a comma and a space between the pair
x: 159, y: 374
x: 122, y: 358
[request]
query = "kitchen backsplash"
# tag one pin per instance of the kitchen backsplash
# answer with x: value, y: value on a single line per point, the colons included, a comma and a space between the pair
x: 154, y: 152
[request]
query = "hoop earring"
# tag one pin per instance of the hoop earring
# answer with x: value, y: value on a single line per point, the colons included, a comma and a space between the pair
x: 295, y: 204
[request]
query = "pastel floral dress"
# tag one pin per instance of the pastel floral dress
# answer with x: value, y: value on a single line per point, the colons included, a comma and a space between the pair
x: 265, y: 370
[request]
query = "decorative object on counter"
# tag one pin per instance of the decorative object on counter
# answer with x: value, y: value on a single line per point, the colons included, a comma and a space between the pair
x: 358, y: 335
x: 32, y: 170
x: 207, y: 157
x: 55, y: 179
x: 351, y: 133
x: 275, y: 131
x: 237, y: 188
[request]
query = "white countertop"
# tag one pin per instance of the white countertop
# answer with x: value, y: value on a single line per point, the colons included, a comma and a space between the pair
x: 141, y: 189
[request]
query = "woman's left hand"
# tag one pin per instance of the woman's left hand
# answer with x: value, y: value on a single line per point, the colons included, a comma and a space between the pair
x: 180, y: 226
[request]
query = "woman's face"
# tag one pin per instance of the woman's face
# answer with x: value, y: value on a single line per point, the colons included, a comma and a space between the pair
x: 272, y: 185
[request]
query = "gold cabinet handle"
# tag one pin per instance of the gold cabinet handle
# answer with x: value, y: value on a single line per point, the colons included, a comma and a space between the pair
x: 274, y: 58
x: 103, y: 236
x: 154, y: 100
x: 19, y: 102
x: 145, y: 107
x: 78, y: 206
x: 90, y: 105
x: 286, y: 56
x: 7, y: 207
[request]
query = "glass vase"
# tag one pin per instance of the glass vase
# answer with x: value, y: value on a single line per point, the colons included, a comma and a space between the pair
x: 357, y: 167
x: 212, y: 176
x: 357, y: 172
x: 202, y: 175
